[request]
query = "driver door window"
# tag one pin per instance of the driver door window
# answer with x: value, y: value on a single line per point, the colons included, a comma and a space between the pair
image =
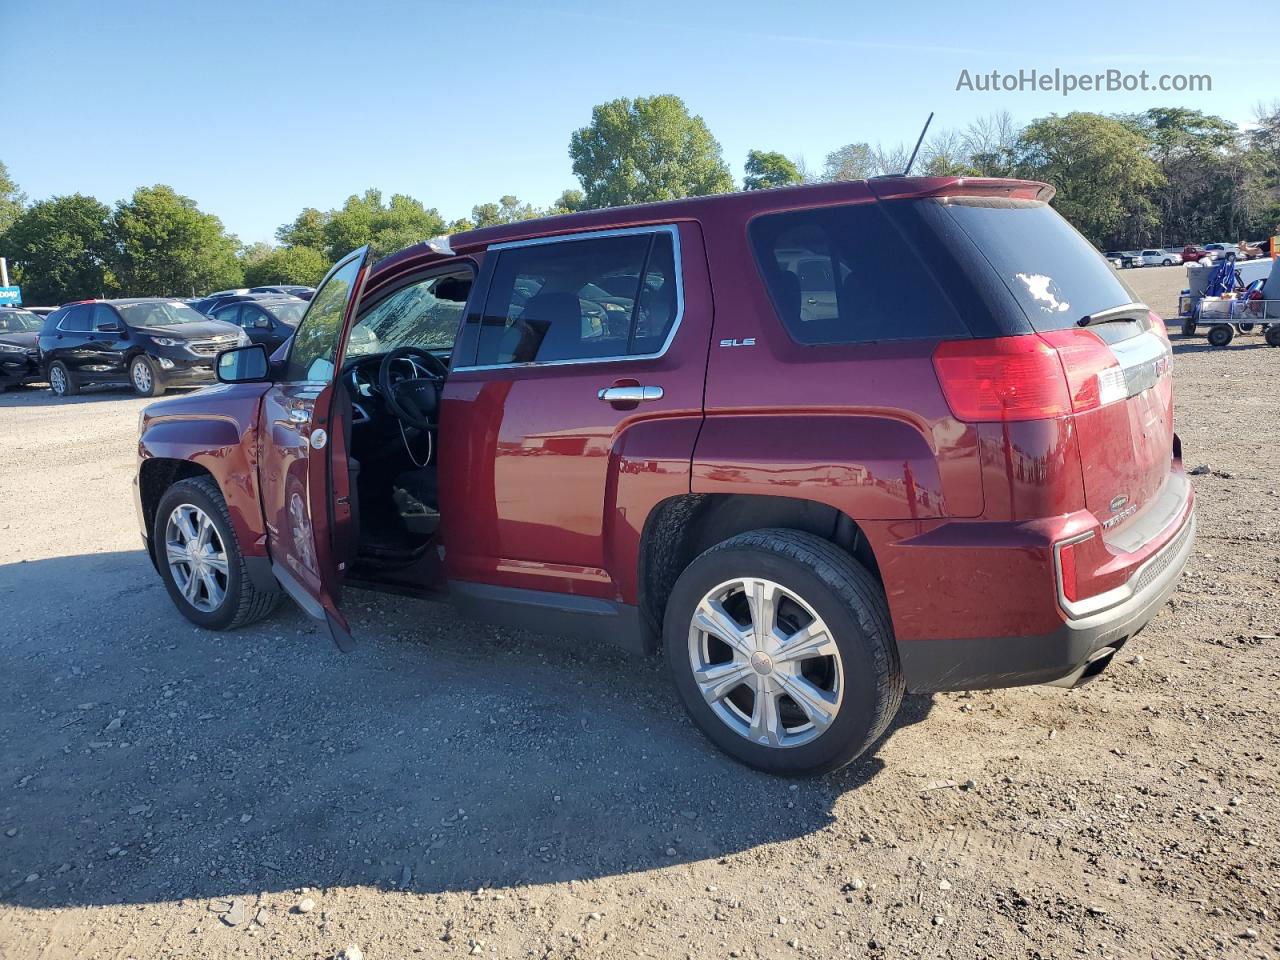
x: 423, y: 314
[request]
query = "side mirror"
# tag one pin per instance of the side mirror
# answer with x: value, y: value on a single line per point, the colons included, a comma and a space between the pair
x: 112, y: 327
x: 243, y: 364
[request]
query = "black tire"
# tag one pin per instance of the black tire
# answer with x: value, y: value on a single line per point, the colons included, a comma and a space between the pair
x: 1246, y: 327
x: 1273, y: 335
x: 61, y: 382
x: 144, y: 376
x: 1188, y: 328
x: 1168, y: 262
x: 851, y: 602
x: 1220, y: 334
x: 244, y: 601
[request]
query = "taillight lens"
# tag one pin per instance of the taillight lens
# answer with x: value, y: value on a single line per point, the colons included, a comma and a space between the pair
x: 1034, y: 377
x: 1006, y: 378
x: 1067, y: 572
x: 1093, y: 374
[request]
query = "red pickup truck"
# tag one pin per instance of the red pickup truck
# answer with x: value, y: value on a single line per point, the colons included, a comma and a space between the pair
x: 817, y: 445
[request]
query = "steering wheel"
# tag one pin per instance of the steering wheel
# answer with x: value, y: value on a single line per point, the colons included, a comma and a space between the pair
x: 414, y: 399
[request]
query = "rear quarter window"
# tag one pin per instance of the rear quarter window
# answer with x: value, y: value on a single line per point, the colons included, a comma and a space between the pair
x: 847, y: 275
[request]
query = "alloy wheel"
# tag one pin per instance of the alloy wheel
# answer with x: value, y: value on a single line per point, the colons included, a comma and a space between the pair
x: 765, y: 662
x: 196, y: 557
x: 141, y: 376
x: 58, y: 381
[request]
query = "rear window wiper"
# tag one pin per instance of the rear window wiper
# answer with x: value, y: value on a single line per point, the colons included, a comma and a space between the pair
x: 1126, y: 311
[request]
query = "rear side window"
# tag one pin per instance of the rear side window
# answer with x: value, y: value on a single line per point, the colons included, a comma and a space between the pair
x: 1053, y: 272
x: 77, y: 319
x: 846, y: 275
x: 581, y: 299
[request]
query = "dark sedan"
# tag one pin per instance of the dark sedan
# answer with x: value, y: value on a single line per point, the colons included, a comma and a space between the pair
x: 19, y: 354
x: 269, y: 322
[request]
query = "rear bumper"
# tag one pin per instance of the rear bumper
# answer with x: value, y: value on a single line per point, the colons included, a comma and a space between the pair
x: 1072, y: 652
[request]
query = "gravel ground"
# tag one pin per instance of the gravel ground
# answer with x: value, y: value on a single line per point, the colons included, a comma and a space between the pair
x: 457, y: 790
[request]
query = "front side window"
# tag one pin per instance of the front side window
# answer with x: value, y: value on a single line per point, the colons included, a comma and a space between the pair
x: 315, y: 344
x: 580, y: 299
x: 425, y: 314
x: 846, y: 275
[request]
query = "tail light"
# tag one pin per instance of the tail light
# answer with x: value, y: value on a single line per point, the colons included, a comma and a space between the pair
x: 1035, y: 377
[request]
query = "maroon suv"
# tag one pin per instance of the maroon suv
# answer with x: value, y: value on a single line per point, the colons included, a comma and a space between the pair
x: 819, y: 445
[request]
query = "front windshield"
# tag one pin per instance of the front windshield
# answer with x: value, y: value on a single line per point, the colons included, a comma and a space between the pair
x: 159, y: 313
x: 289, y: 313
x: 425, y: 314
x: 18, y: 321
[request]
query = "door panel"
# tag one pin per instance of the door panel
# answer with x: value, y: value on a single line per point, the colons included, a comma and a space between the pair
x: 530, y: 452
x: 306, y: 491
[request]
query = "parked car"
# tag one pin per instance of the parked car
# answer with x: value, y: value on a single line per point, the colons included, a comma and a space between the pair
x: 149, y: 343
x: 962, y: 475
x: 207, y: 305
x: 19, y: 355
x: 288, y: 289
x: 1193, y: 254
x: 1220, y: 250
x: 1153, y: 257
x: 269, y: 321
x: 40, y: 311
x: 1122, y: 259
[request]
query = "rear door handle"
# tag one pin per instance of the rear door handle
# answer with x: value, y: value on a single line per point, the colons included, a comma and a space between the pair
x: 629, y: 394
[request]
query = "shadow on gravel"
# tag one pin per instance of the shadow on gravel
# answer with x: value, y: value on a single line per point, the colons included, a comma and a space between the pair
x: 38, y: 395
x: 1200, y: 345
x: 441, y: 755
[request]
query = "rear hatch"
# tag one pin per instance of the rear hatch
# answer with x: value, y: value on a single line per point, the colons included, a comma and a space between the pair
x: 1114, y: 352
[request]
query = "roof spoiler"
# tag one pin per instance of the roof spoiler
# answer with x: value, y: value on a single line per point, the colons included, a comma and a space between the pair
x: 892, y: 188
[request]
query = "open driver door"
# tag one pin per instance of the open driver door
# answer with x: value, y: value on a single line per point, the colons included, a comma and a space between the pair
x: 303, y: 467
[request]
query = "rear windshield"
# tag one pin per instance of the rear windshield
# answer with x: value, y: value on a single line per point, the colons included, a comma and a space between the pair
x: 161, y: 313
x: 1054, y: 273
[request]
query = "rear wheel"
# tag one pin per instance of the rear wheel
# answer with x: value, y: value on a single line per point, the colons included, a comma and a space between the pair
x: 781, y: 647
x: 1273, y: 335
x: 145, y: 377
x: 200, y: 559
x: 1188, y: 328
x: 1220, y: 335
x: 61, y: 382
x: 1246, y: 328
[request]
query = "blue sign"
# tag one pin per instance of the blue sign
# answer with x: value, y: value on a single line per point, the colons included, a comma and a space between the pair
x: 11, y: 295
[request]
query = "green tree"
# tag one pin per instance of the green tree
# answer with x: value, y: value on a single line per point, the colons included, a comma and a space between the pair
x: 306, y: 230
x: 302, y: 265
x: 766, y: 168
x: 569, y: 201
x: 12, y: 200
x: 507, y: 210
x: 1103, y: 173
x: 386, y: 227
x: 647, y: 149
x: 60, y: 249
x: 165, y: 246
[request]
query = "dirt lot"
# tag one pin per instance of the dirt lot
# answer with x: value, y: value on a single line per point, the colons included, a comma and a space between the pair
x: 452, y: 790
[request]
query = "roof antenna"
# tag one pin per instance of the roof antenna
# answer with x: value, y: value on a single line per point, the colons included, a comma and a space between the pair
x: 911, y: 163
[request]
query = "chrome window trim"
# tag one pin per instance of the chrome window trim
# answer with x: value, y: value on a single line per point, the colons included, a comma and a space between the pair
x: 671, y: 228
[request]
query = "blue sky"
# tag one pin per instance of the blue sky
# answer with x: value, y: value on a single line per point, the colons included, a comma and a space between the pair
x: 258, y: 109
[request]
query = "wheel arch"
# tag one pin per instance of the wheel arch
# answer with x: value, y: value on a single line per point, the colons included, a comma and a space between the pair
x: 680, y: 528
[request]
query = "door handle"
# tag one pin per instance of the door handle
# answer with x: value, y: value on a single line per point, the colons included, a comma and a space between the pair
x: 629, y: 394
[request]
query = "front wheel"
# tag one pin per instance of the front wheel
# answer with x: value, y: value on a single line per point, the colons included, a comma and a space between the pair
x: 781, y: 647
x: 200, y: 559
x: 1188, y: 328
x: 1221, y: 334
x: 61, y: 382
x: 145, y: 377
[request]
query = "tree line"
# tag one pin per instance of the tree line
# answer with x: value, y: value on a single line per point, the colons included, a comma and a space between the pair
x: 1163, y: 177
